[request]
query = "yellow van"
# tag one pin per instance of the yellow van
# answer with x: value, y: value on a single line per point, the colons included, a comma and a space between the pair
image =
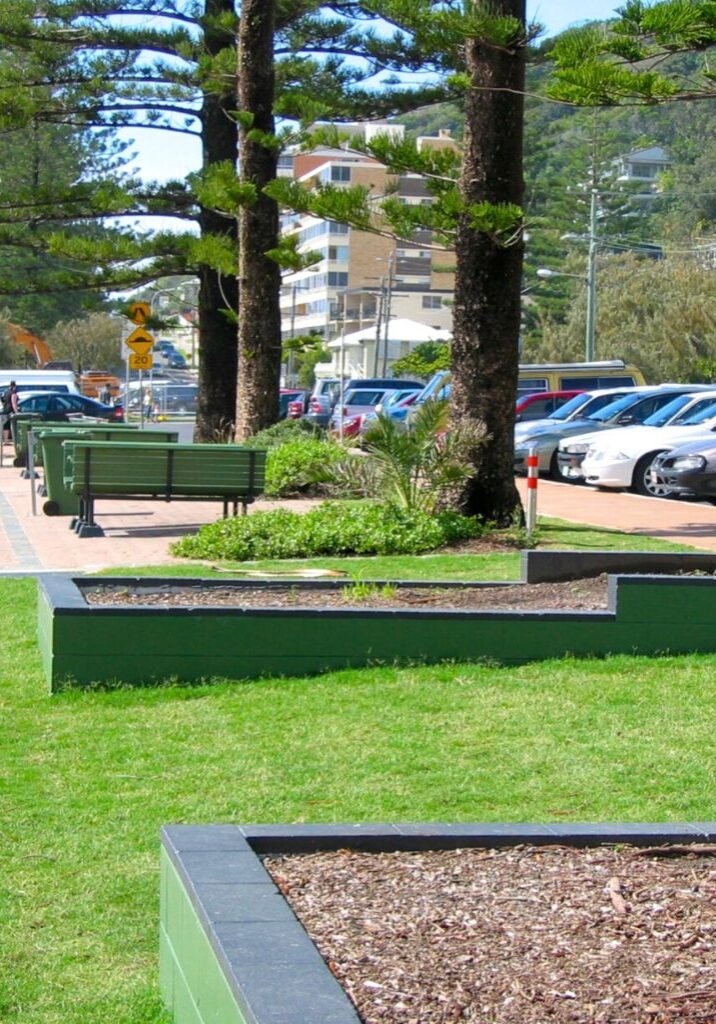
x: 610, y: 373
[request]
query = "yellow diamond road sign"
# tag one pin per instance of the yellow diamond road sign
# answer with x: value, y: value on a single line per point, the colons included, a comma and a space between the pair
x: 139, y: 311
x: 140, y: 341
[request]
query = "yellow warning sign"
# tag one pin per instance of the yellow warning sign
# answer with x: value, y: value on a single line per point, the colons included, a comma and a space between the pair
x: 139, y: 312
x: 140, y: 341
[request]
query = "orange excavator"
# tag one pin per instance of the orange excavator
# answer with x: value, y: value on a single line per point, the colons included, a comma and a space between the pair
x: 37, y: 348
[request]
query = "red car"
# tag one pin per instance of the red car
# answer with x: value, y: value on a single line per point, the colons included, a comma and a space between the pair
x: 541, y: 404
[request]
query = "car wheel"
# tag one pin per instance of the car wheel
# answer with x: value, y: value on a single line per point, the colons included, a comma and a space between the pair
x: 641, y: 480
x: 553, y: 472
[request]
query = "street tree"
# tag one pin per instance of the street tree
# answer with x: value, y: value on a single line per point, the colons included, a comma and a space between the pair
x: 170, y: 66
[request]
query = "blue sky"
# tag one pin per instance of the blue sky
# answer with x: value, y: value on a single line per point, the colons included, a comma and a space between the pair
x: 174, y: 156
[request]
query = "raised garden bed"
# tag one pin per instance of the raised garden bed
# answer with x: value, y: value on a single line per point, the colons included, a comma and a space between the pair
x: 652, y: 606
x: 232, y: 949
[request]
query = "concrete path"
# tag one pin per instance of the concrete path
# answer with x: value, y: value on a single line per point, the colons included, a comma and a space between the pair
x: 140, y: 532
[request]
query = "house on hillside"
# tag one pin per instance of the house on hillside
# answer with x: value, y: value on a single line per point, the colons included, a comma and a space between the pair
x: 642, y: 165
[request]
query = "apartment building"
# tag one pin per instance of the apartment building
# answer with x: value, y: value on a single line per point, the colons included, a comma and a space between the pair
x: 362, y: 278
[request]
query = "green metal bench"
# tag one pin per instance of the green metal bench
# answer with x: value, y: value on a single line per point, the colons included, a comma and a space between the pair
x: 164, y: 472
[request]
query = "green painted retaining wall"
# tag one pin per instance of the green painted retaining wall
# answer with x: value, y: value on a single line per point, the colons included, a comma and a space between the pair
x: 192, y: 981
x: 141, y: 645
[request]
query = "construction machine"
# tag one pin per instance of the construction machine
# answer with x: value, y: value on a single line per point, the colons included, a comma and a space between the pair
x: 38, y: 349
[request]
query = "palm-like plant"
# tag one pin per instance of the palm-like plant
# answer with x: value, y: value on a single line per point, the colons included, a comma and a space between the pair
x: 421, y: 466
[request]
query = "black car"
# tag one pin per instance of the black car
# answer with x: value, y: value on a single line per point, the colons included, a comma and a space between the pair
x: 57, y: 407
x: 689, y: 471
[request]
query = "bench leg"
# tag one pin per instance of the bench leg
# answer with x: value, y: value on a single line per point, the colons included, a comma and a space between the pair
x: 85, y: 525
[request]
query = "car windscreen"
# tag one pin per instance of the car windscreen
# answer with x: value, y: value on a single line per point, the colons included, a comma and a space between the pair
x: 363, y: 397
x: 697, y: 413
x: 663, y: 415
x: 606, y: 413
x: 588, y: 401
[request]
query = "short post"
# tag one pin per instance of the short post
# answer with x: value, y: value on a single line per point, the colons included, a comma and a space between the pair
x: 532, y: 477
x: 31, y: 468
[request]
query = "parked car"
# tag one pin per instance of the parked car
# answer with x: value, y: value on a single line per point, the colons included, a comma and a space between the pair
x: 575, y: 417
x: 689, y: 471
x: 396, y: 404
x: 629, y: 411
x: 544, y: 377
x: 327, y: 391
x: 289, y: 397
x: 622, y: 458
x: 348, y: 417
x: 541, y: 404
x: 582, y: 405
x: 58, y: 407
x: 168, y: 357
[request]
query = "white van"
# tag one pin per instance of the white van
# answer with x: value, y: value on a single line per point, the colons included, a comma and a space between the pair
x: 40, y: 380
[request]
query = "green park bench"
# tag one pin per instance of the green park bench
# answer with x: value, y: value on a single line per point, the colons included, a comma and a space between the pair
x: 164, y: 472
x: 47, y: 451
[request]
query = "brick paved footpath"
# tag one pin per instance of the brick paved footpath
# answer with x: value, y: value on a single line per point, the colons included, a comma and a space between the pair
x: 140, y: 532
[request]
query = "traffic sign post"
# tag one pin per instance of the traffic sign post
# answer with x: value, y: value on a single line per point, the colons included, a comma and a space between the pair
x: 141, y: 342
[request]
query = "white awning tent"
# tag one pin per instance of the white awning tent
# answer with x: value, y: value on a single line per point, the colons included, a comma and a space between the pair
x: 355, y: 353
x: 400, y: 330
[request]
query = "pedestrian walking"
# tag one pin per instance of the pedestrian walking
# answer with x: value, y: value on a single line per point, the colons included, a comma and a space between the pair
x: 147, y: 404
x: 105, y: 395
x: 10, y: 405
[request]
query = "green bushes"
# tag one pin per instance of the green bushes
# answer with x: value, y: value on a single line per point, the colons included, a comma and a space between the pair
x: 283, y: 431
x: 333, y: 528
x: 301, y: 465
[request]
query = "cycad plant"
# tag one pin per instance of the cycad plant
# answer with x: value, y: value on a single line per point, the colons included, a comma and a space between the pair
x: 418, y: 466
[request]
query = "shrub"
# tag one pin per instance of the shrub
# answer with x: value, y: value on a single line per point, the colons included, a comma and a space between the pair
x: 283, y: 431
x: 297, y: 466
x: 333, y: 528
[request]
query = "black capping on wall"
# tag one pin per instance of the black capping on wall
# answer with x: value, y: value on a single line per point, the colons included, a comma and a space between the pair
x: 272, y: 966
x: 551, y: 566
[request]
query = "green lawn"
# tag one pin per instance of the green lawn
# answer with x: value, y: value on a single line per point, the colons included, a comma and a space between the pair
x: 500, y: 565
x: 87, y: 779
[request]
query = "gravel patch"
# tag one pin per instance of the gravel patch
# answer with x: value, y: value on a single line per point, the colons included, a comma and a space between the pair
x: 528, y: 935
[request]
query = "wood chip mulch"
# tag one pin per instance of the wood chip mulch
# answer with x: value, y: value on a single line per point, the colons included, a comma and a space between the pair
x: 526, y: 935
x: 582, y: 594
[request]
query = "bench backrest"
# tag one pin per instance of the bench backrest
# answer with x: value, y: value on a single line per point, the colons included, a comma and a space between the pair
x: 113, y: 467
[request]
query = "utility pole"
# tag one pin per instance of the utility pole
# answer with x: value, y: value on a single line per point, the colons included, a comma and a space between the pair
x: 388, y: 300
x: 589, y: 342
x: 378, y: 325
x: 292, y: 334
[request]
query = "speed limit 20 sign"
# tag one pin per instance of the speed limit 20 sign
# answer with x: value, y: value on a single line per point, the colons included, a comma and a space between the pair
x: 140, y: 361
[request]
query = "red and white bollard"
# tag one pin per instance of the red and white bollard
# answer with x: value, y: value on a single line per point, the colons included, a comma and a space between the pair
x: 532, y: 478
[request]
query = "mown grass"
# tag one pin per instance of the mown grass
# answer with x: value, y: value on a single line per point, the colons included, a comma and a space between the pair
x: 87, y: 780
x: 491, y: 565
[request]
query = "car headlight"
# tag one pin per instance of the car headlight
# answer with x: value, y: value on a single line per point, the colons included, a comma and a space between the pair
x: 575, y: 449
x: 689, y: 462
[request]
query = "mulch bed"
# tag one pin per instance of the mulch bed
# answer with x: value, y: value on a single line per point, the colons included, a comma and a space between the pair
x: 526, y: 935
x: 581, y: 594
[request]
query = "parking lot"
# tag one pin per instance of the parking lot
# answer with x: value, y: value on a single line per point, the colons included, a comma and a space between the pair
x: 140, y: 532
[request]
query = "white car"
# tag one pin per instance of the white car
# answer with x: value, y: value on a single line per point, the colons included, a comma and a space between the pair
x: 622, y: 458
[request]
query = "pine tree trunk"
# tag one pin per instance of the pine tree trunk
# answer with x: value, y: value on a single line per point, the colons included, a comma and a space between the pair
x: 486, y: 314
x: 218, y: 343
x: 259, y: 277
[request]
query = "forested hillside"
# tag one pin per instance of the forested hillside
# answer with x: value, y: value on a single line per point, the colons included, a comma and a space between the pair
x: 660, y: 312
